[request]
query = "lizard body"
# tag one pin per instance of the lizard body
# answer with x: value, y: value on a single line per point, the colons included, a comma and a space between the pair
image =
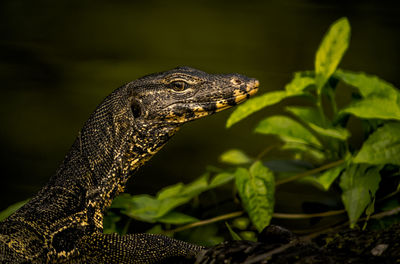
x: 63, y: 223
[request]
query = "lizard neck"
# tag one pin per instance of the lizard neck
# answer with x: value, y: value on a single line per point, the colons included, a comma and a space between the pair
x: 146, y: 140
x: 112, y: 145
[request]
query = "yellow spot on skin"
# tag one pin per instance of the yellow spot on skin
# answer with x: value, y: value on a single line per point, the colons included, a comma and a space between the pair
x: 222, y: 103
x: 251, y: 89
x: 198, y: 109
x: 62, y: 254
x: 134, y: 162
x: 200, y: 114
x: 238, y: 92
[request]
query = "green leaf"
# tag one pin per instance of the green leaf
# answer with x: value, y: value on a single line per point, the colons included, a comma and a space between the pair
x: 233, y: 234
x: 185, y: 194
x: 380, y: 100
x: 151, y: 209
x: 256, y: 188
x: 359, y: 184
x: 334, y: 132
x: 235, y: 157
x: 170, y: 191
x: 148, y: 208
x: 331, y: 50
x: 286, y: 129
x: 305, y: 149
x: 368, y: 85
x: 374, y: 107
x: 142, y: 207
x: 177, y: 218
x: 220, y: 179
x: 122, y: 201
x: 196, y: 187
x: 327, y: 177
x: 257, y: 103
x: 169, y: 204
x: 312, y: 117
x: 381, y: 147
x: 299, y: 83
x: 11, y: 209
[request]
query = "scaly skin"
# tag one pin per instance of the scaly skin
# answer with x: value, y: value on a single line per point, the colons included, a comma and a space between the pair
x: 63, y: 223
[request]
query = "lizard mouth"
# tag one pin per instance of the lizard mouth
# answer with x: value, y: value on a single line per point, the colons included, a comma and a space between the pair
x: 239, y: 96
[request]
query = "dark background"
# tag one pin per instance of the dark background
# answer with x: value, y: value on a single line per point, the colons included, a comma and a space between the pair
x: 59, y: 59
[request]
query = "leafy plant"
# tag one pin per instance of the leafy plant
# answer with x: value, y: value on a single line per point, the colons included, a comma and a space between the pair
x: 310, y: 132
x: 317, y: 134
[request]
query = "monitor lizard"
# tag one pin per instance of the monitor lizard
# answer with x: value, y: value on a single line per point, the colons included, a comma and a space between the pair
x: 63, y: 223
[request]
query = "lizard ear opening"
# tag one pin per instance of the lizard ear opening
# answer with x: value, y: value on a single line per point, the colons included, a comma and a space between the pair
x: 136, y: 109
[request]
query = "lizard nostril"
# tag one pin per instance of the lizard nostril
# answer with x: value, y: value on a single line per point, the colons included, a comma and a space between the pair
x: 237, y: 81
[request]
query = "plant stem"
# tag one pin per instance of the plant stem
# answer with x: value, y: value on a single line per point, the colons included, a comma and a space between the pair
x: 266, y: 150
x: 331, y: 95
x: 310, y: 172
x: 126, y: 227
x: 319, y: 105
x: 302, y: 216
x: 380, y: 215
x: 389, y: 195
x: 206, y: 222
x: 239, y: 213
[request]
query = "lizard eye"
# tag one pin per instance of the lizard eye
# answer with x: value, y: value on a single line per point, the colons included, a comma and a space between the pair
x: 179, y: 86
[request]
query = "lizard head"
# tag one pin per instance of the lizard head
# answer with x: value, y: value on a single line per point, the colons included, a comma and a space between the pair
x: 137, y: 119
x: 184, y: 94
